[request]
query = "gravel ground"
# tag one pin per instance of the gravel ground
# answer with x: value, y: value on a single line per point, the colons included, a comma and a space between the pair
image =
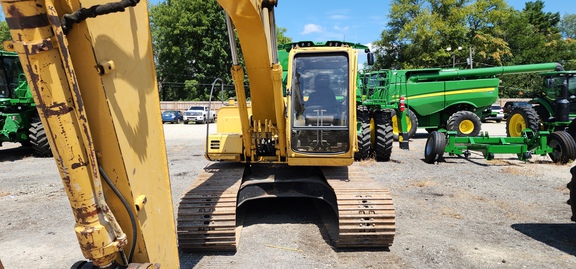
x: 460, y: 213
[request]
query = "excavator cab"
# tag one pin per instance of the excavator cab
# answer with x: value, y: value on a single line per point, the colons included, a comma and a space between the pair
x: 320, y: 105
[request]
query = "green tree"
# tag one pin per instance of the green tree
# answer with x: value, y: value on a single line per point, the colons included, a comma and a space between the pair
x: 420, y: 31
x: 543, y: 22
x: 534, y: 37
x: 281, y: 37
x: 484, y: 32
x: 4, y: 33
x: 568, y: 26
x: 191, y: 47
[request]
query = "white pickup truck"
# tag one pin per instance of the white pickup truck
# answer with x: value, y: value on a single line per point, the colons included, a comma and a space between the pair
x: 199, y: 114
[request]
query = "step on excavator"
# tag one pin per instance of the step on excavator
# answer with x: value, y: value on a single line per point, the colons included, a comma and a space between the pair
x: 84, y: 59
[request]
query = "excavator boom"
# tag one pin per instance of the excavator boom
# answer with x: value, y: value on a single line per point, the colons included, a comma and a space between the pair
x: 111, y: 154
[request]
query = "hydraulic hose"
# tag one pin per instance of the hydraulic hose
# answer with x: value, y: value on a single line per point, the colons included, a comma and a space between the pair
x: 130, y: 214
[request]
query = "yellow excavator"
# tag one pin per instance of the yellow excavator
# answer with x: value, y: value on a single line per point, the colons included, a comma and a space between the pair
x: 91, y: 70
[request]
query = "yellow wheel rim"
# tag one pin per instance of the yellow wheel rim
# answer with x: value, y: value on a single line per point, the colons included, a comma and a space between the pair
x: 516, y: 124
x: 466, y: 127
x: 395, y: 128
x: 372, y: 131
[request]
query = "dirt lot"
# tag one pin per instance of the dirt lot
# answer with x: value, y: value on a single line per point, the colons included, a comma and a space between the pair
x: 455, y: 214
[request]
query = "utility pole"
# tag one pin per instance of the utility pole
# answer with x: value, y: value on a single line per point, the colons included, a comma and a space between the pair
x: 453, y: 55
x: 471, y: 53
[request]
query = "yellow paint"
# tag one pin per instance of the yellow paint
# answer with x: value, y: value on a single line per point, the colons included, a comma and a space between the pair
x: 229, y: 120
x: 247, y: 18
x: 516, y: 124
x: 450, y: 93
x: 110, y: 120
x: 466, y: 126
x: 227, y: 144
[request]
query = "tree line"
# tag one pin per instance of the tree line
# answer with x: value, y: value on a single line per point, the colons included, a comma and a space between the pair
x: 191, y: 48
x: 445, y: 33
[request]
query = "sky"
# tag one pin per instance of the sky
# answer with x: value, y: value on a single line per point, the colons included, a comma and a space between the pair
x: 322, y: 20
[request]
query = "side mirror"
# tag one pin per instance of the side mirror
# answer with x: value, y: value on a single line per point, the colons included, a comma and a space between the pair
x: 550, y: 83
x: 370, y: 58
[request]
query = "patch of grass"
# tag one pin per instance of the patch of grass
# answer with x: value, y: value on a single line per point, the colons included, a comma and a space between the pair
x: 514, y: 171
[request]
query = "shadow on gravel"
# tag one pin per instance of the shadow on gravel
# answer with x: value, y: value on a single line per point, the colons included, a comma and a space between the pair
x: 559, y: 236
x: 284, y: 210
x: 478, y: 159
x: 14, y: 154
x: 268, y: 211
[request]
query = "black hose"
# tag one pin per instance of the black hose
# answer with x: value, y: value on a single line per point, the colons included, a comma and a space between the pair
x: 128, y: 209
x: 82, y: 14
x: 209, y: 111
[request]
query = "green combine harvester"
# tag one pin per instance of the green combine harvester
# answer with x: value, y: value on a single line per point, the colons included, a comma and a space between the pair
x: 18, y: 114
x: 438, y: 98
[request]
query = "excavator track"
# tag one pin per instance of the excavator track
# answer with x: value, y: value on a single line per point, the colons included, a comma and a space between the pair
x: 366, y: 215
x: 207, y: 211
x: 207, y: 218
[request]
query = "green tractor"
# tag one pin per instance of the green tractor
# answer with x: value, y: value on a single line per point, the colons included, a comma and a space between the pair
x: 19, y: 118
x: 554, y: 108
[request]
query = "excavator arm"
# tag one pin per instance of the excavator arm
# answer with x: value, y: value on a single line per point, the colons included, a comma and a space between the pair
x: 256, y: 29
x: 111, y: 156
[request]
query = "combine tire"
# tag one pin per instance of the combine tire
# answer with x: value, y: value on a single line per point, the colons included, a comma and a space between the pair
x: 564, y: 147
x: 411, y: 120
x: 364, y: 143
x: 520, y: 118
x: 364, y: 139
x: 39, y: 140
x: 383, y: 137
x: 465, y: 123
x: 435, y: 146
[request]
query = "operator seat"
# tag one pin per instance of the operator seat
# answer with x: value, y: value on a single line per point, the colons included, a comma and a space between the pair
x: 322, y: 103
